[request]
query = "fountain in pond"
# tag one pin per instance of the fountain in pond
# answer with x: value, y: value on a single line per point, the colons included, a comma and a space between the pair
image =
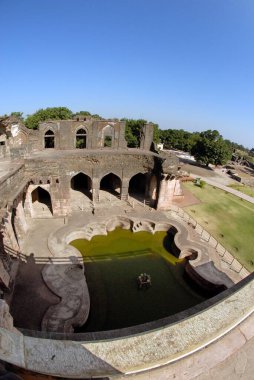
x: 144, y: 281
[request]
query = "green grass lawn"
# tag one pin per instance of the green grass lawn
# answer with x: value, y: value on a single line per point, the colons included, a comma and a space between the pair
x: 243, y: 188
x: 228, y: 218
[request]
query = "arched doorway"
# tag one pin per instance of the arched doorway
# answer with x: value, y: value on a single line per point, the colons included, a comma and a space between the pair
x: 137, y: 186
x: 112, y: 184
x: 49, y: 139
x: 41, y: 202
x: 82, y: 183
x: 81, y: 138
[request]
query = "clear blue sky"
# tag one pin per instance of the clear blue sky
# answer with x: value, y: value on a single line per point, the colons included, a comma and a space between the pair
x: 181, y: 63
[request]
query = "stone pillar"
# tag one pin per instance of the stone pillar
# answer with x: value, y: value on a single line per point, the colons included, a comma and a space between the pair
x: 169, y: 188
x: 96, y: 189
x: 125, y: 188
x: 147, y: 137
x: 28, y: 203
x: 5, y: 265
x: 153, y: 190
x: 59, y: 196
x: 9, y: 235
x: 21, y: 219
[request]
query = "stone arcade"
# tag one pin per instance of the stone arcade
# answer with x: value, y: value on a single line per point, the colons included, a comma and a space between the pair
x: 83, y: 168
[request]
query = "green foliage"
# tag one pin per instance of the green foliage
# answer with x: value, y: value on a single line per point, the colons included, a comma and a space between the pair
x: 108, y: 141
x: 199, y: 182
x: 178, y: 139
x: 86, y: 113
x: 156, y: 133
x: 51, y: 113
x: 96, y: 116
x: 82, y: 113
x: 18, y: 115
x: 133, y: 131
x: 210, y: 148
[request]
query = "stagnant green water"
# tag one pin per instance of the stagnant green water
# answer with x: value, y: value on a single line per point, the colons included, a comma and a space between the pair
x: 112, y: 265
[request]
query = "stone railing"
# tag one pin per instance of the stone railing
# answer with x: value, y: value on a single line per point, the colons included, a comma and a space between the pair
x: 225, y: 255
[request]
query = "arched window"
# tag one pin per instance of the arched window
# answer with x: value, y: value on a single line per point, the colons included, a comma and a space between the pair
x: 81, y: 139
x: 49, y: 139
x: 107, y: 136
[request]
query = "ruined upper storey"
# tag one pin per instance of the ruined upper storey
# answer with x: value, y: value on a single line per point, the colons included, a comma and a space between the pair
x: 81, y: 133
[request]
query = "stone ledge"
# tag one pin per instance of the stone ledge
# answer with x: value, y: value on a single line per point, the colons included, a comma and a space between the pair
x: 145, y: 351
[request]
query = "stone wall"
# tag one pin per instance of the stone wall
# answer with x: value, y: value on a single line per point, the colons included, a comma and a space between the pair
x: 95, y: 131
x: 59, y: 172
x: 17, y: 140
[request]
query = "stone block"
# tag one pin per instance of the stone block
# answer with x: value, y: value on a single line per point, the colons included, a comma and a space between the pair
x: 199, y: 229
x: 11, y: 347
x: 220, y: 249
x: 205, y: 235
x: 192, y: 222
x: 213, y: 242
x: 244, y: 273
x: 236, y: 266
x: 186, y: 217
x: 228, y: 258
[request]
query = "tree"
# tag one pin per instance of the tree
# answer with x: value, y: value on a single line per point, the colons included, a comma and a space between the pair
x: 133, y: 130
x: 18, y: 115
x: 96, y: 116
x: 178, y: 139
x: 210, y: 148
x: 50, y: 113
x: 82, y: 113
x: 156, y: 133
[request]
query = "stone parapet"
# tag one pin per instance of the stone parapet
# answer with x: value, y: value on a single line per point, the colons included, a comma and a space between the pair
x: 160, y: 343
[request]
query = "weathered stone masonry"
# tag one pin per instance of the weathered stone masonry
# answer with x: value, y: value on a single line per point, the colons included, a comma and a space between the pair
x: 52, y: 157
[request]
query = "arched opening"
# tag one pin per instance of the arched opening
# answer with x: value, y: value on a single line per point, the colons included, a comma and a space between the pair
x: 49, y: 139
x: 111, y: 183
x: 82, y: 183
x: 41, y: 202
x: 81, y: 139
x: 108, y: 136
x: 137, y: 186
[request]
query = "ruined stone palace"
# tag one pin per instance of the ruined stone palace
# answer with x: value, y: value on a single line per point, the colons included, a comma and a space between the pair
x: 76, y: 179
x: 84, y: 154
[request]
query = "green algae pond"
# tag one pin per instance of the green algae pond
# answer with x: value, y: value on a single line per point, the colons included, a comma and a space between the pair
x: 112, y: 266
